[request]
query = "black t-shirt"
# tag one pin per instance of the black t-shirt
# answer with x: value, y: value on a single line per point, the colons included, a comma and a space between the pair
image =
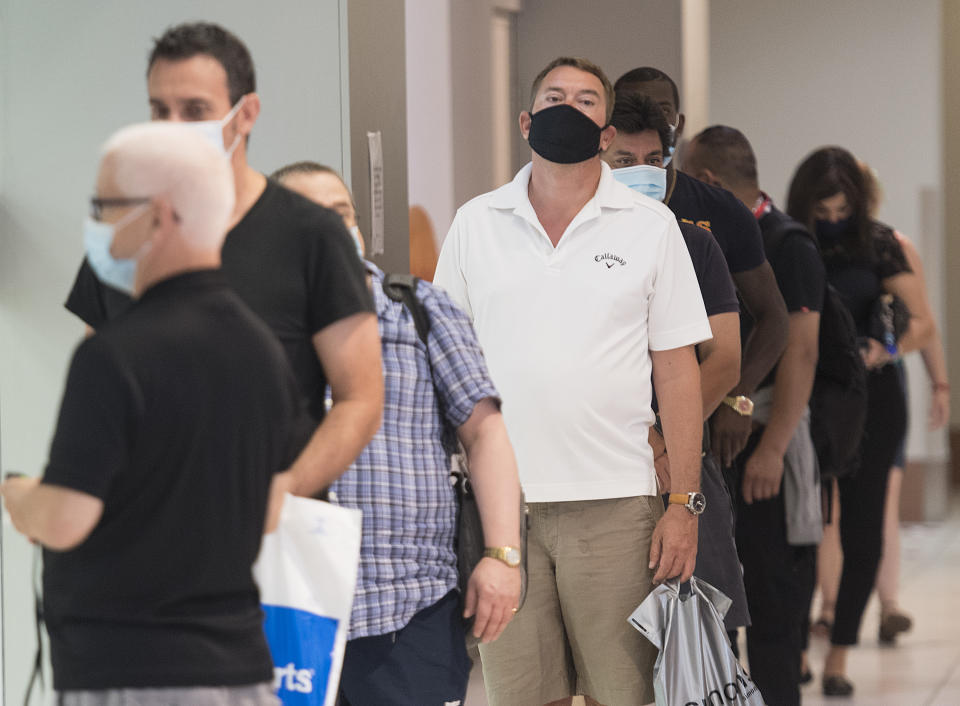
x: 858, y: 278
x: 798, y: 267
x: 720, y: 212
x: 291, y: 261
x: 175, y: 414
x: 716, y: 287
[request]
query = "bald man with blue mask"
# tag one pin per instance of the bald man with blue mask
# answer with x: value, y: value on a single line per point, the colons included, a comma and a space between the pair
x: 175, y: 421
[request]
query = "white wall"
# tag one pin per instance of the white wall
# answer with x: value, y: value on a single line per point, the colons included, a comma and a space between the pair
x: 377, y: 102
x: 863, y: 74
x: 950, y: 42
x: 430, y: 111
x: 453, y: 113
x: 618, y: 35
x: 71, y: 73
x: 451, y: 110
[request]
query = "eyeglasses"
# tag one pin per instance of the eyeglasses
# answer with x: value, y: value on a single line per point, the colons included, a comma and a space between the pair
x: 97, y: 204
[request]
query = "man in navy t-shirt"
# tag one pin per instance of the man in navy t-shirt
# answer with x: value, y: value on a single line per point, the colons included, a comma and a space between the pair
x: 739, y: 237
x: 636, y: 155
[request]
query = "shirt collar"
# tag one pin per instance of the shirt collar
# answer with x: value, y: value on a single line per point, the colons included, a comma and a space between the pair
x: 515, y: 195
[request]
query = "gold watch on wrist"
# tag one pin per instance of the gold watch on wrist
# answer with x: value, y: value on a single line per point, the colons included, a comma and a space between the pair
x: 508, y: 555
x: 741, y: 404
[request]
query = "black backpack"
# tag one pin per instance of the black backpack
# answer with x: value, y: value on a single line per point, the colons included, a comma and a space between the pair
x: 838, y: 402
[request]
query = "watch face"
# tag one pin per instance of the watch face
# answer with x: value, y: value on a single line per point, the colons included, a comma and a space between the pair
x: 512, y: 556
x: 744, y: 405
x: 698, y: 503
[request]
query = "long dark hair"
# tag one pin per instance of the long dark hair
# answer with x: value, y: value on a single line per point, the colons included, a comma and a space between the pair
x: 827, y: 172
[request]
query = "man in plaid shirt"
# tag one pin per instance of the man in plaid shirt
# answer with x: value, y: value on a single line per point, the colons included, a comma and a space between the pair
x: 406, y: 643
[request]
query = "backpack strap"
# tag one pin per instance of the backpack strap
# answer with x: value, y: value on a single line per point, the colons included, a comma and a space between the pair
x: 785, y: 227
x: 403, y: 288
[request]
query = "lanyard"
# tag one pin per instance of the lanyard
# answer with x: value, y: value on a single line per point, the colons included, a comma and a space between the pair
x: 763, y: 208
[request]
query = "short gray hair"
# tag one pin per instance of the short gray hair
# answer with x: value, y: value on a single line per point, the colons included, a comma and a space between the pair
x: 173, y: 160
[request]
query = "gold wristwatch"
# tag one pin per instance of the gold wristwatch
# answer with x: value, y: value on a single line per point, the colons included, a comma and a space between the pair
x: 741, y: 404
x: 508, y: 555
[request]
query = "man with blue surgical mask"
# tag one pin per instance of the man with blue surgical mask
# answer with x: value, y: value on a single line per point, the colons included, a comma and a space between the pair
x: 636, y: 154
x: 738, y: 235
x: 291, y: 261
x: 175, y: 419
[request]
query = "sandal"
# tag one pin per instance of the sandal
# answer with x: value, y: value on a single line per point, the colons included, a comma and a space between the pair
x: 891, y: 625
x: 837, y: 685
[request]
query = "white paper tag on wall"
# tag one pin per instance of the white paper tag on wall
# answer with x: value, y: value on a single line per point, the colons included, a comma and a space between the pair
x: 375, y: 149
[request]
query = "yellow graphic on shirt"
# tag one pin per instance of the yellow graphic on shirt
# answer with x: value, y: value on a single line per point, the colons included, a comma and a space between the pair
x: 700, y: 224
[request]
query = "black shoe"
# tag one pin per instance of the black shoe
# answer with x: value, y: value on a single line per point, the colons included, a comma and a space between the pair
x: 891, y: 625
x: 806, y: 677
x: 837, y: 685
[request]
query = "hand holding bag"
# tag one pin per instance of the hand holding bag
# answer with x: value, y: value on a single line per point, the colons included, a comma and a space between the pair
x: 695, y: 664
x: 307, y: 573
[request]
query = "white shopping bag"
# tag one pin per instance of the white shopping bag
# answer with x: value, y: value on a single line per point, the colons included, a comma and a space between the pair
x: 695, y: 664
x: 307, y: 573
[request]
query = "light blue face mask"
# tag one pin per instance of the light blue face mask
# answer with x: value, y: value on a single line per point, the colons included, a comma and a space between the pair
x: 645, y: 178
x: 97, y: 238
x: 670, y: 150
x: 673, y: 143
x: 357, y: 239
x: 212, y: 130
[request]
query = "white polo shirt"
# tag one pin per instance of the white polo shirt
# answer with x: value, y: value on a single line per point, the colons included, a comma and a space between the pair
x: 567, y: 331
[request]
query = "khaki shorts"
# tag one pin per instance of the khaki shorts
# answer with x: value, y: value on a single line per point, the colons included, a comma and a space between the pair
x: 587, y: 568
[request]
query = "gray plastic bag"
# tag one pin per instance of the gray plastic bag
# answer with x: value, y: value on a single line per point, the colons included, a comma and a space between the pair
x: 696, y: 666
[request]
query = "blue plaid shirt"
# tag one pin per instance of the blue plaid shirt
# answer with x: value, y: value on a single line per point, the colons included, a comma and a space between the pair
x: 401, y: 480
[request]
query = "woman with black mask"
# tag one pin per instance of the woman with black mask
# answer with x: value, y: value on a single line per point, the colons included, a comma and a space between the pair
x: 865, y: 263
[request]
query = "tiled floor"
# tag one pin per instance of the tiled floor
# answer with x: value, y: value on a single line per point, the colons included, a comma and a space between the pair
x: 924, y: 668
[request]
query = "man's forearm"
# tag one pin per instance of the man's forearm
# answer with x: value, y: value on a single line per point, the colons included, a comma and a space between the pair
x: 764, y: 346
x: 349, y: 351
x: 493, y: 475
x: 58, y: 518
x: 761, y: 297
x: 716, y: 382
x: 335, y: 444
x: 677, y: 380
x: 791, y: 394
x: 719, y: 360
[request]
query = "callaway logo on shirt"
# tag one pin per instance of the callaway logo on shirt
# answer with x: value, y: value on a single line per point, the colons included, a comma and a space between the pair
x: 609, y: 259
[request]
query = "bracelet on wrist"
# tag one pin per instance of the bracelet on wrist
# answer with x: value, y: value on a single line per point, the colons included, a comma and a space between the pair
x: 941, y: 387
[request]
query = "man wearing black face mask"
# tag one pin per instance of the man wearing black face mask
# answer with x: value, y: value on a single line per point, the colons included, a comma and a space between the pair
x: 578, y: 288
